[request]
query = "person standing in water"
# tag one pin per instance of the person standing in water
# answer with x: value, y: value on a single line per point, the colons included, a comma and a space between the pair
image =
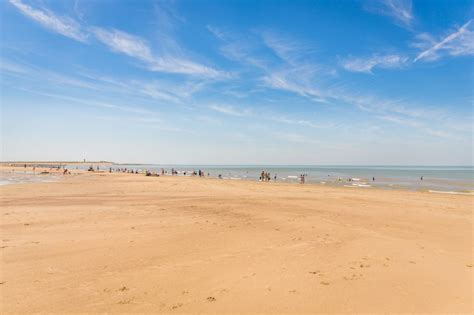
x: 302, y: 178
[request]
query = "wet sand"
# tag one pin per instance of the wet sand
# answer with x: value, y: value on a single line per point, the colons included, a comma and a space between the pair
x: 102, y: 242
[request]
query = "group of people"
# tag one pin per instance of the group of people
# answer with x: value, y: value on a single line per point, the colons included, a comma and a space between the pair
x: 265, y: 176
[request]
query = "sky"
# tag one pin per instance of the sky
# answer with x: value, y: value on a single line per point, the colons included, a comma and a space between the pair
x: 386, y: 82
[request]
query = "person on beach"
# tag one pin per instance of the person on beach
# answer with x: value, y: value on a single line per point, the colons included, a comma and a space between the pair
x: 302, y: 178
x: 262, y: 176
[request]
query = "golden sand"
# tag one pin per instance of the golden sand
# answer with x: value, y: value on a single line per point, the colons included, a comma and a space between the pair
x: 101, y: 242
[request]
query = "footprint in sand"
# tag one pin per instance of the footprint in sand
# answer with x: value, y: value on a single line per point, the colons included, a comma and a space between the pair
x: 314, y: 272
x: 175, y: 306
x: 292, y: 291
x: 211, y: 299
x: 353, y: 277
x: 324, y: 283
x: 469, y: 265
x: 123, y: 288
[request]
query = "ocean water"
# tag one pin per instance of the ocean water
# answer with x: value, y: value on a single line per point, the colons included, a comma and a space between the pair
x: 459, y: 179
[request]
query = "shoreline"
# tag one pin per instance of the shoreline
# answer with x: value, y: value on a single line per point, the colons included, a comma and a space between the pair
x: 344, y: 184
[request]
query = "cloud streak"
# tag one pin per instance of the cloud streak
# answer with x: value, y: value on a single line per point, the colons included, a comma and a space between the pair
x: 136, y: 47
x: 458, y: 43
x: 230, y: 110
x: 400, y: 10
x: 65, y: 26
x: 286, y: 48
x: 366, y: 65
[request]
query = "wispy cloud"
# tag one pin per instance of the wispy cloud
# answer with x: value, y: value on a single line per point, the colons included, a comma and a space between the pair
x: 295, y: 81
x: 287, y: 48
x: 120, y: 42
x: 242, y: 49
x: 65, y: 26
x: 14, y: 68
x: 301, y: 122
x: 458, y: 43
x: 230, y: 110
x: 310, y: 81
x: 134, y: 46
x: 366, y: 65
x: 400, y: 10
x: 167, y: 91
x: 41, y: 75
x: 217, y: 32
x: 125, y: 43
x: 88, y: 102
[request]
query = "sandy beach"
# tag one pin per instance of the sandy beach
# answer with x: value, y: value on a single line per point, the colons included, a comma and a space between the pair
x: 123, y: 243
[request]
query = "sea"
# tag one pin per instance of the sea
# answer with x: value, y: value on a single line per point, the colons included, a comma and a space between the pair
x: 436, y: 179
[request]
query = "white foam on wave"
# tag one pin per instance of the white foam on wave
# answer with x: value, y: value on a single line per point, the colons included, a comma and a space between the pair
x: 451, y: 192
x: 358, y: 185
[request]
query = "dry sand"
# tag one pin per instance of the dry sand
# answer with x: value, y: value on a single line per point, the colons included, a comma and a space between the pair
x: 115, y: 243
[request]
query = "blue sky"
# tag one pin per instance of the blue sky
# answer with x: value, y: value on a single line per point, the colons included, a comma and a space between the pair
x: 238, y: 82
